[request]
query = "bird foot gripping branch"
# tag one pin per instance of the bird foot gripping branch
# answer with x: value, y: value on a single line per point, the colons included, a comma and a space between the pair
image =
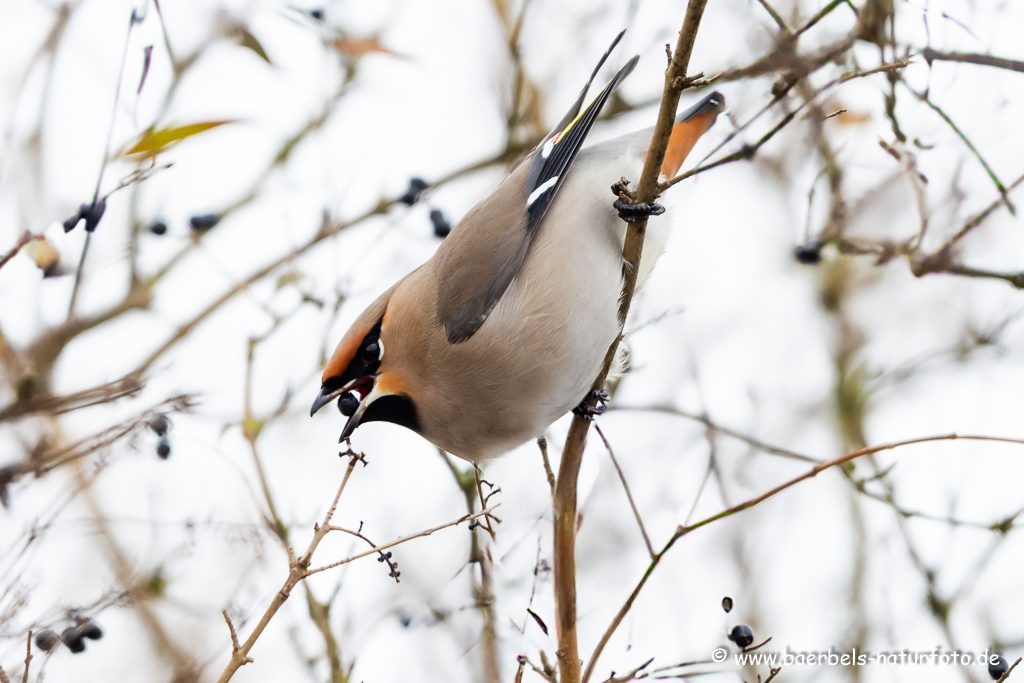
x: 631, y: 210
x: 589, y: 412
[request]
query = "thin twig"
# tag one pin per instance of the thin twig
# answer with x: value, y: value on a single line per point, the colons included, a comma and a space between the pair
x: 406, y: 539
x: 748, y: 151
x: 923, y: 97
x: 776, y: 17
x: 103, y: 166
x: 980, y: 217
x: 298, y: 570
x: 931, y: 55
x: 25, y: 238
x: 235, y: 647
x: 28, y: 657
x: 707, y: 422
x: 542, y: 444
x: 625, y: 487
x: 814, y: 471
x: 1009, y: 671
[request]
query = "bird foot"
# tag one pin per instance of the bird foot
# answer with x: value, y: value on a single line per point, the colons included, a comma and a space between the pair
x: 588, y: 412
x: 639, y: 212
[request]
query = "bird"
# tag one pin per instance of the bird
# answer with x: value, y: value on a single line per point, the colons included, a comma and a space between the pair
x: 503, y: 330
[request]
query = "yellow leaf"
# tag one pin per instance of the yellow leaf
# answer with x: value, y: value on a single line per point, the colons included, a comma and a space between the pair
x: 153, y: 142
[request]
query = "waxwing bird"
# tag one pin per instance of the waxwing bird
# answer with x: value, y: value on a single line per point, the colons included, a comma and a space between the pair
x: 505, y: 328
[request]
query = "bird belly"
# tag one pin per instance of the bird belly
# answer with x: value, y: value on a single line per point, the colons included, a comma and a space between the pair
x: 543, y: 345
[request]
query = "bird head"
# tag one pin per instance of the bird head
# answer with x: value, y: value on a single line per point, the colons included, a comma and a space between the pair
x: 364, y: 378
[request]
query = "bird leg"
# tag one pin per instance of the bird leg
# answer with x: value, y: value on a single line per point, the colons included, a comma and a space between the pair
x: 588, y: 412
x: 629, y: 211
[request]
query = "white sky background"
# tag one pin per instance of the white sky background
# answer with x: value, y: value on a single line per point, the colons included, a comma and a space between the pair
x: 750, y: 328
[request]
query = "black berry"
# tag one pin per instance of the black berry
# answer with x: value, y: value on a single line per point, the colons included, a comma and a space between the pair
x: 997, y: 668
x: 742, y: 635
x: 73, y: 639
x: 158, y: 228
x: 159, y: 424
x: 441, y: 225
x: 347, y: 404
x: 204, y: 222
x: 809, y: 253
x: 93, y: 213
x: 90, y: 630
x: 412, y: 195
x: 47, y: 640
x: 163, y: 448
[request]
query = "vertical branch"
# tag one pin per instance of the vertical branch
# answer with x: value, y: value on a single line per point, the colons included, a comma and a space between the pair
x: 482, y: 588
x: 572, y: 454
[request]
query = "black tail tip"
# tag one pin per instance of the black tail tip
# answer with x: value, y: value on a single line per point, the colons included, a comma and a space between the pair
x: 711, y: 104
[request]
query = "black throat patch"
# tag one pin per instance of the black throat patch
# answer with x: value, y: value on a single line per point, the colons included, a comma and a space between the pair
x: 395, y: 408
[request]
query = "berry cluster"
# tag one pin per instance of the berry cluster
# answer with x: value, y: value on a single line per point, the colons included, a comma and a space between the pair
x: 413, y: 194
x: 73, y: 636
x: 160, y: 424
x: 199, y: 224
x: 741, y: 634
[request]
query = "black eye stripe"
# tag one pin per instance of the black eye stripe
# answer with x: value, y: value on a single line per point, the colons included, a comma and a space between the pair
x: 363, y: 364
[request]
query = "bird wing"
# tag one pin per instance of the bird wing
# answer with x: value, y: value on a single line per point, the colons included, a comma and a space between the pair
x: 481, y: 262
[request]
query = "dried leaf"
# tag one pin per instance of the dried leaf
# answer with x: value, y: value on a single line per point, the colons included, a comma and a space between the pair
x: 46, y: 257
x: 248, y: 40
x: 357, y: 47
x: 153, y: 142
x: 540, y: 622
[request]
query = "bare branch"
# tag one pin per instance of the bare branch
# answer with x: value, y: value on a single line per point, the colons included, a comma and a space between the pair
x: 814, y: 471
x: 25, y: 238
x: 931, y: 55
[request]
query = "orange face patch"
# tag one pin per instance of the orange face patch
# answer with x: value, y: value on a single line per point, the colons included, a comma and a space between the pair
x: 390, y: 383
x: 684, y: 136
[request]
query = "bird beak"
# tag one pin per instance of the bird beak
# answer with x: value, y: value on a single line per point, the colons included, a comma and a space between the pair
x: 357, y: 416
x: 324, y: 398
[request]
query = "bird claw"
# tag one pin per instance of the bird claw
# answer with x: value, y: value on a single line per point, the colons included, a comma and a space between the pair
x: 621, y: 187
x: 639, y: 212
x: 588, y: 412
